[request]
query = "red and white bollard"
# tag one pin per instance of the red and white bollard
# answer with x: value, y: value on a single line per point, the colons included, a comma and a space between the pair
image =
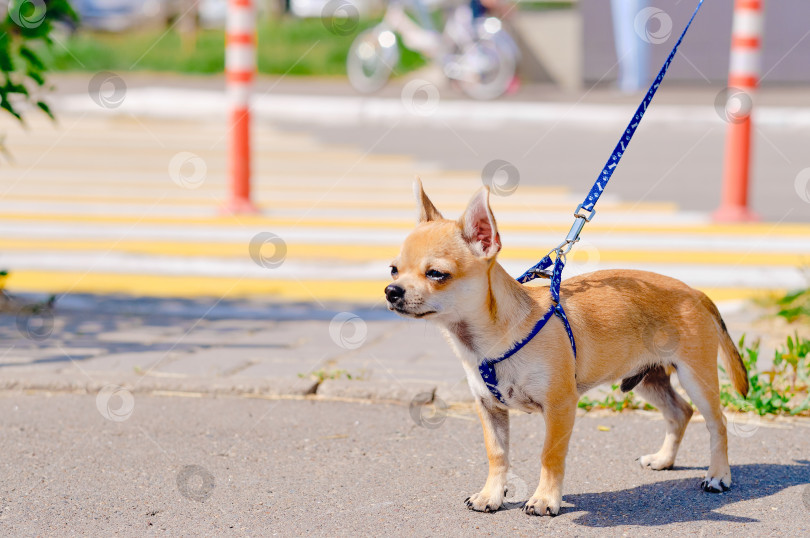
x: 240, y: 65
x: 743, y: 78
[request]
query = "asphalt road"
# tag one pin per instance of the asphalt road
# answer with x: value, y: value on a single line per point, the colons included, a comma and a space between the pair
x: 668, y: 160
x: 222, y: 466
x: 664, y: 163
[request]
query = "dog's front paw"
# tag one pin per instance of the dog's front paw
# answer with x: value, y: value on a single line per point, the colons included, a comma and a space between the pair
x: 715, y: 485
x: 542, y: 505
x: 656, y: 462
x: 483, y: 501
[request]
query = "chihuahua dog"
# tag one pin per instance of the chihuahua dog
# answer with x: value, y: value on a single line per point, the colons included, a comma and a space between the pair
x: 447, y: 272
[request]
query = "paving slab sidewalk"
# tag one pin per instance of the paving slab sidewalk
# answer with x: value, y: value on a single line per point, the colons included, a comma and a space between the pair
x: 147, y: 345
x: 241, y: 347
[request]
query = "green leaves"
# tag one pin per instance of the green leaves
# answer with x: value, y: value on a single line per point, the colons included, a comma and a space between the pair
x: 24, y: 23
x: 795, y: 306
x: 781, y: 390
x: 46, y: 109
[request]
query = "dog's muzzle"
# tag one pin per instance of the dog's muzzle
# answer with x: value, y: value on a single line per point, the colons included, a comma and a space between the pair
x: 394, y: 293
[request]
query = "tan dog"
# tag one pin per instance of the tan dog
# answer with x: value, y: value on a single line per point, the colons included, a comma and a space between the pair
x: 447, y: 272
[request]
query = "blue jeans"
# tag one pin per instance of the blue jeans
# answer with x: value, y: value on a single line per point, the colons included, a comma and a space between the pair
x: 632, y: 51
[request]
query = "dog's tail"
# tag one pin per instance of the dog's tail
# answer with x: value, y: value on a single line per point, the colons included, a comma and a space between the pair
x: 731, y: 356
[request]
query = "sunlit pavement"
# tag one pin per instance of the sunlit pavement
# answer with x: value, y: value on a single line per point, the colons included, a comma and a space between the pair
x: 214, y: 466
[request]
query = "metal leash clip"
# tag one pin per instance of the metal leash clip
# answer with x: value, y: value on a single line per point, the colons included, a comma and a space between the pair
x: 579, y: 223
x: 573, y: 234
x: 570, y: 240
x: 542, y: 273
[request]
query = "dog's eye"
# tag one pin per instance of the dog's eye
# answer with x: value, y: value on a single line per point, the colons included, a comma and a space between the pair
x: 394, y: 270
x: 438, y: 276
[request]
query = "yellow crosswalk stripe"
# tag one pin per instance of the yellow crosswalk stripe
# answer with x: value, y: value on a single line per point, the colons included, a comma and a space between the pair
x: 596, y: 227
x: 366, y: 291
x: 384, y: 253
x: 272, y: 200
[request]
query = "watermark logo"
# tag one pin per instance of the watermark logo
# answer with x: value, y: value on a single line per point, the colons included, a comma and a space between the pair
x: 187, y: 170
x: 744, y: 425
x: 427, y: 410
x: 420, y: 98
x: 115, y: 403
x: 516, y: 488
x: 267, y: 250
x: 195, y: 482
x: 502, y: 177
x: 661, y: 339
x: 733, y: 105
x: 107, y: 89
x: 27, y: 13
x: 653, y: 25
x: 348, y: 330
x: 584, y: 257
x: 340, y: 17
x: 35, y: 324
x: 802, y: 185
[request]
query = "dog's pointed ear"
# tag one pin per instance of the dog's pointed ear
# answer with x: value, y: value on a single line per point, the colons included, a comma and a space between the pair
x: 478, y: 226
x: 427, y: 211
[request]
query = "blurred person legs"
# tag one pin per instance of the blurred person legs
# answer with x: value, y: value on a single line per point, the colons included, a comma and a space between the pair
x: 631, y: 50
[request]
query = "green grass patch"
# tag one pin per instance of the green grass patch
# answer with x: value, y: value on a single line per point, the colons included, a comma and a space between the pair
x: 540, y: 5
x: 795, y: 306
x: 782, y: 390
x: 615, y: 400
x: 285, y: 46
x: 324, y: 374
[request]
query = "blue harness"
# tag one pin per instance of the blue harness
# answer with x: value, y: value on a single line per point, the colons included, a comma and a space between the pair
x: 487, y: 366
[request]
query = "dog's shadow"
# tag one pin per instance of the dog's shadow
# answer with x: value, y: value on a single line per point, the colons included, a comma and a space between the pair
x: 681, y: 500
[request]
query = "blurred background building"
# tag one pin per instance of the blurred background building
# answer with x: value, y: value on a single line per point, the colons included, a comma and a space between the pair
x: 570, y: 43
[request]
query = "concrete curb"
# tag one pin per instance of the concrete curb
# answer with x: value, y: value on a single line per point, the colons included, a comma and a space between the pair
x: 404, y: 392
x: 455, y: 393
x: 144, y: 384
x: 378, y: 391
x: 185, y: 103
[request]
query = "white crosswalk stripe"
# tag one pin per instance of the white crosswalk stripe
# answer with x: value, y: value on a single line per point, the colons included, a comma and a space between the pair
x: 92, y: 206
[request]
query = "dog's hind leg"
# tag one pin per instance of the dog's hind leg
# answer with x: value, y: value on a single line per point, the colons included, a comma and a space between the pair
x: 699, y: 379
x: 656, y: 389
x: 495, y: 422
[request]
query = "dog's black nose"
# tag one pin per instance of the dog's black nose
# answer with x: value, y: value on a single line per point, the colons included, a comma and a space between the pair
x: 394, y: 293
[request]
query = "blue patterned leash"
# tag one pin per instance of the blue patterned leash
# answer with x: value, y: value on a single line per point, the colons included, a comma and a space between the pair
x: 583, y: 214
